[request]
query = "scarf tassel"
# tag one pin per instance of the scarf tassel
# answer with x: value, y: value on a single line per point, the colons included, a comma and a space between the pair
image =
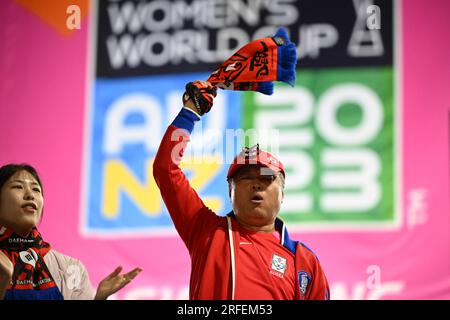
x: 265, y: 87
x: 287, y: 59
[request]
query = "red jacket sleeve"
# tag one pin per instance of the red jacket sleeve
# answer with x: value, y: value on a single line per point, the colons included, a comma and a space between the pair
x: 182, y: 201
x: 319, y: 287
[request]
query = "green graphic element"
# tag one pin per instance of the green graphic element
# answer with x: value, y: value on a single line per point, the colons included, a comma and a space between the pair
x: 379, y: 81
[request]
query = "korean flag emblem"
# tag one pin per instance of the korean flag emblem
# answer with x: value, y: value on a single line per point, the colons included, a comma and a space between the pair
x: 304, y: 279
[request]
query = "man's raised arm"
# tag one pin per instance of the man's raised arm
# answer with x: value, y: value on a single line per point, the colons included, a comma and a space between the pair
x: 182, y: 201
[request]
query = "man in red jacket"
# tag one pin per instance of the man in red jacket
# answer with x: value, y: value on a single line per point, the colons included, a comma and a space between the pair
x: 248, y: 253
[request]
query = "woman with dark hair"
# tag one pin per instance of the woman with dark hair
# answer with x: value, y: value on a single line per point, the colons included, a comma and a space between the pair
x: 29, y: 267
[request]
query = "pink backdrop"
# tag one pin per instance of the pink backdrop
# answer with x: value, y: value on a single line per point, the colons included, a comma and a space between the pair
x: 42, y: 101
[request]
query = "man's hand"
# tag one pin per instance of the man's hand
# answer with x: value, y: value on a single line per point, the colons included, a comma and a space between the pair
x: 114, y: 282
x: 6, y: 273
x: 199, y: 96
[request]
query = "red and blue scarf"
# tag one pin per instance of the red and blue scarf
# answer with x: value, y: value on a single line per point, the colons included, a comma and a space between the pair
x: 256, y: 65
x: 31, y: 278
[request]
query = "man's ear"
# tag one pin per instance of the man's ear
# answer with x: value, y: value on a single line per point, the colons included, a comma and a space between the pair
x: 229, y: 189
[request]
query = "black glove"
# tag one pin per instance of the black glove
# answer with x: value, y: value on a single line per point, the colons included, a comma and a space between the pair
x: 202, y: 94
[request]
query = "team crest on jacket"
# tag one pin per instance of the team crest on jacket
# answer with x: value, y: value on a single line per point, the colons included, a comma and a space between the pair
x: 278, y: 264
x: 304, y: 279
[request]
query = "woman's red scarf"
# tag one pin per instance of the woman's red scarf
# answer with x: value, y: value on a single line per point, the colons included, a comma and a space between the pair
x: 31, y: 278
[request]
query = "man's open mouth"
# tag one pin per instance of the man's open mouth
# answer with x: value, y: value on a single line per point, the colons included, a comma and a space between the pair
x: 257, y: 198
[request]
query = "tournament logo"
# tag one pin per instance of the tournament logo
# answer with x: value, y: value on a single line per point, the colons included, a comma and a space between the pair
x: 338, y: 128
